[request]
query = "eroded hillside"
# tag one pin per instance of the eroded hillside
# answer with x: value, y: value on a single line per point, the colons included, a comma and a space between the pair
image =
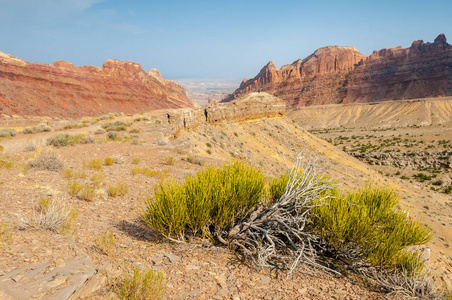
x: 143, y: 149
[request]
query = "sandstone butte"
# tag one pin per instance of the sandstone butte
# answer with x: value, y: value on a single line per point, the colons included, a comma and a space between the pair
x: 335, y: 74
x: 63, y: 90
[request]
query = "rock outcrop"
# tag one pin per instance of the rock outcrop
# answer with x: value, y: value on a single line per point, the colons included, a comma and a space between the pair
x: 343, y: 75
x: 63, y: 90
x: 251, y: 106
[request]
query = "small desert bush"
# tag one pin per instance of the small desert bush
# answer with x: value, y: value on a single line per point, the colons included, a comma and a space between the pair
x: 108, y: 161
x: 108, y: 116
x: 6, y: 164
x: 162, y: 141
x: 1, y: 148
x: 136, y: 161
x: 99, y: 131
x: 215, y: 197
x: 5, y: 235
x: 38, y: 128
x: 64, y: 139
x: 47, y: 160
x: 7, y: 132
x: 114, y: 136
x: 116, y: 126
x: 368, y: 219
x: 105, y: 243
x: 120, y: 189
x: 70, y: 173
x: 170, y: 161
x: 194, y: 160
x: 98, y: 179
x: 82, y: 191
x: 119, y: 159
x: 142, y: 285
x: 94, y: 164
x: 32, y: 145
x: 135, y: 130
x: 79, y: 125
x: 52, y: 214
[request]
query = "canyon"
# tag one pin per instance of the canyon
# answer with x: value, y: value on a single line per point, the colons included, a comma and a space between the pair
x: 335, y: 74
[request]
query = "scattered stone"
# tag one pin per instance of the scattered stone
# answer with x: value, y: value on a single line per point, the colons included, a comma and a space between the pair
x: 193, y: 293
x: 173, y: 258
x: 191, y: 267
x: 265, y: 279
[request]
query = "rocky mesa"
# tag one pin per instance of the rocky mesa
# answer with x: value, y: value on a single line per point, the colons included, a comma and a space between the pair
x: 63, y: 90
x: 336, y: 74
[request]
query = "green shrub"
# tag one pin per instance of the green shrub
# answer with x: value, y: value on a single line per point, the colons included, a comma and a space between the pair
x: 142, y: 285
x: 278, y: 187
x: 7, y: 132
x: 215, y: 197
x: 368, y: 219
x: 116, y: 126
x: 64, y: 139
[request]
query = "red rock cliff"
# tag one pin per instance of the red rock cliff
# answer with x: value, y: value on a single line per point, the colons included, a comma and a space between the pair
x: 342, y: 75
x: 63, y: 90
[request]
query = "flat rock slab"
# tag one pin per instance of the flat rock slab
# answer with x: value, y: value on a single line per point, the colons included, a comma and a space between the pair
x: 47, y: 281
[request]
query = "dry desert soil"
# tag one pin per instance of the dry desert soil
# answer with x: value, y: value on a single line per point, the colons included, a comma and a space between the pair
x: 41, y: 264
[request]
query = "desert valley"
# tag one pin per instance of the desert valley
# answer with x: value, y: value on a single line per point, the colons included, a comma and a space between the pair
x: 83, y: 151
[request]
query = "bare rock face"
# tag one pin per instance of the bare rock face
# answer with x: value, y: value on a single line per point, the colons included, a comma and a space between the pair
x: 249, y: 107
x: 63, y: 90
x: 343, y: 75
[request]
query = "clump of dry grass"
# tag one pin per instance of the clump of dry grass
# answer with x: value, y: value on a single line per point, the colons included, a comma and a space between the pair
x: 105, y: 243
x: 70, y: 173
x: 170, y: 161
x: 5, y: 235
x: 108, y: 161
x: 194, y: 160
x: 95, y: 164
x: 47, y: 160
x: 119, y: 189
x: 52, y: 214
x: 98, y: 179
x: 142, y: 285
x: 82, y: 191
x: 32, y: 145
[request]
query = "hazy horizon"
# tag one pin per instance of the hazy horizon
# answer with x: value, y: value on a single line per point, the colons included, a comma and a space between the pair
x: 210, y: 40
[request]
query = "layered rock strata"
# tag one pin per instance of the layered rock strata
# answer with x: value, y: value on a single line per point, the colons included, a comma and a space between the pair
x: 249, y: 107
x: 63, y: 90
x: 337, y: 74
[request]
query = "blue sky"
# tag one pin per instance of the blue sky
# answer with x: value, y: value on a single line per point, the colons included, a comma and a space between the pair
x: 210, y: 39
